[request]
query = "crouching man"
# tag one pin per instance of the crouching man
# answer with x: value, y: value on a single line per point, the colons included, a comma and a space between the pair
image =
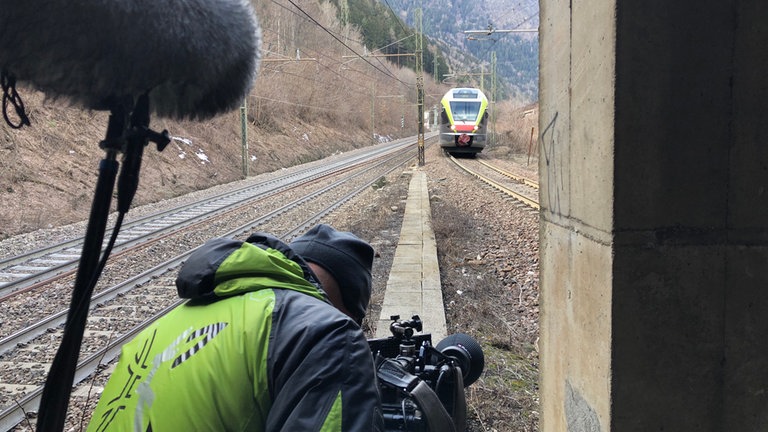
x: 269, y: 340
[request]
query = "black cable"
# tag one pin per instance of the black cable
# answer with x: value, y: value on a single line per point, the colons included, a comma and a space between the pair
x: 11, y: 95
x: 325, y: 66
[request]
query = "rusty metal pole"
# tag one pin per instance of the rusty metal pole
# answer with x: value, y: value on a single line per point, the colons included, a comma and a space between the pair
x: 244, y: 136
x: 420, y: 86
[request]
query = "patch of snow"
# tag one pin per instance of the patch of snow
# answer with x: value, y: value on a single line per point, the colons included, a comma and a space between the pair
x: 202, y: 156
x: 186, y: 141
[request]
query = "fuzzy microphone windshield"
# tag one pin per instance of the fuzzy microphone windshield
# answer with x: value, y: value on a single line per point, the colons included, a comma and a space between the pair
x: 195, y: 58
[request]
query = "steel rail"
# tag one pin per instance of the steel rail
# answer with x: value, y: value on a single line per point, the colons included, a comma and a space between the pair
x: 64, y: 257
x: 521, y: 179
x: 522, y: 198
x: 12, y: 415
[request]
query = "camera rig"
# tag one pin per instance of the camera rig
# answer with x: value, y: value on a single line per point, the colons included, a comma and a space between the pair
x: 422, y: 386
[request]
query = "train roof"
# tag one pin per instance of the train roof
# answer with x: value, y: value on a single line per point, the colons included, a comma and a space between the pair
x: 464, y: 93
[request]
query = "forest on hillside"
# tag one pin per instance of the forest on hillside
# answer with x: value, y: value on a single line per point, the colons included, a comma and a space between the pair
x: 387, y: 34
x: 469, y: 56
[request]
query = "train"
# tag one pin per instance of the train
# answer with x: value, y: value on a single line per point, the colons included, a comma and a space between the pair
x: 463, y: 121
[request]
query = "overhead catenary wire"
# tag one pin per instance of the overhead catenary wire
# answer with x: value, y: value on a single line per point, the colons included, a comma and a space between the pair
x: 334, y: 61
x: 383, y: 71
x: 305, y: 18
x: 323, y: 61
x: 401, y: 26
x: 302, y: 105
x: 329, y: 64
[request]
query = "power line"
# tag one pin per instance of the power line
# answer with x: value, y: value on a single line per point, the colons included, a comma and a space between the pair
x: 333, y: 60
x: 510, y: 11
x: 385, y: 72
x: 303, y: 105
x: 305, y: 18
x: 329, y: 31
x: 315, y: 80
x: 308, y: 18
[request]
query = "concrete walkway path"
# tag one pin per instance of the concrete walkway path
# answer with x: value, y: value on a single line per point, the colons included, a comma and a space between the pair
x: 413, y: 287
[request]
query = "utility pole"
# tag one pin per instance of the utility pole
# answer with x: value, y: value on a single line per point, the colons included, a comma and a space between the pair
x: 244, y: 133
x: 493, y: 97
x: 482, y: 77
x: 373, y: 91
x: 373, y: 111
x: 345, y: 19
x: 420, y: 84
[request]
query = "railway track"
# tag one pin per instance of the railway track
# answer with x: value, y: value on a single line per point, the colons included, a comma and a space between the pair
x: 138, y: 283
x: 40, y: 266
x: 517, y: 186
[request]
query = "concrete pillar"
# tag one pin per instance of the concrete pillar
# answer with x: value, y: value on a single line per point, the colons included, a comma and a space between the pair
x: 654, y: 227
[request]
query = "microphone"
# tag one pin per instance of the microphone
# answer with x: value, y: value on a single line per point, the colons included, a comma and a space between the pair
x: 194, y: 58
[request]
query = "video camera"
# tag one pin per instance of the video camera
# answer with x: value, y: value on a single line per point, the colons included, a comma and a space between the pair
x: 422, y: 387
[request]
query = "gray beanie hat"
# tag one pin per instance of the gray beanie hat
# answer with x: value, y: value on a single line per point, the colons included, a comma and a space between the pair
x: 346, y: 257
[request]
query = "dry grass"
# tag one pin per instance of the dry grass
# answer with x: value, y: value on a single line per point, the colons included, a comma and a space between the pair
x: 515, y: 131
x: 505, y: 398
x: 299, y: 111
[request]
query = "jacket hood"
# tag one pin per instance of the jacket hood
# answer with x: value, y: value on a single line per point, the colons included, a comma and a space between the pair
x: 225, y: 267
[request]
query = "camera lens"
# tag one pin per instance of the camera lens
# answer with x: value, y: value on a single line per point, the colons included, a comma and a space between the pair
x: 468, y: 354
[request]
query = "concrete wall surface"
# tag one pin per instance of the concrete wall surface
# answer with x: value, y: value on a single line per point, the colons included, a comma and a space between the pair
x: 576, y: 191
x: 654, y: 221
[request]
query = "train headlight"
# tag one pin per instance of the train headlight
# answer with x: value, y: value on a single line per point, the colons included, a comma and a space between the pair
x: 476, y: 128
x: 453, y: 128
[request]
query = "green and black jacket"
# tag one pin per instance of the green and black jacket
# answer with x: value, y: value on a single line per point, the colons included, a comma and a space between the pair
x: 257, y: 347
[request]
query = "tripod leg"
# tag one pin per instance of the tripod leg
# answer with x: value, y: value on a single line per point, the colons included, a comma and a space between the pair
x: 55, y: 398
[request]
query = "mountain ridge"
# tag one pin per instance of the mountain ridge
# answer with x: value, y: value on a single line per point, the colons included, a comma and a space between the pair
x: 517, y: 53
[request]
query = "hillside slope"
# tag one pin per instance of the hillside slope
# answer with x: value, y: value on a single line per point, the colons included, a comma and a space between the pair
x: 312, y: 98
x: 48, y: 171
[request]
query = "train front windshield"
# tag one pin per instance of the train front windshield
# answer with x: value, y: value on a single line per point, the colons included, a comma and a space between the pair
x: 465, y: 111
